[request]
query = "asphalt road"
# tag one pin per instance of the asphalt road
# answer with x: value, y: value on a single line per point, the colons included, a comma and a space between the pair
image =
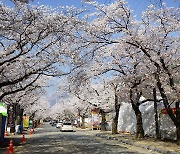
x: 49, y: 140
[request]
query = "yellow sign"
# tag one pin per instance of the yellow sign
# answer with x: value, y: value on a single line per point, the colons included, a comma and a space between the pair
x: 26, y: 121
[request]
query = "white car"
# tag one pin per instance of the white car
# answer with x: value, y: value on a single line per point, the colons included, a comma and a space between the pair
x: 59, y: 124
x: 67, y: 126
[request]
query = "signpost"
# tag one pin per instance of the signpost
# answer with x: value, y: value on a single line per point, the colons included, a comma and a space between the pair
x: 95, y: 118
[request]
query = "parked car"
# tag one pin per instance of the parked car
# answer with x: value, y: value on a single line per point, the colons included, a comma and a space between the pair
x: 58, y: 124
x: 67, y: 126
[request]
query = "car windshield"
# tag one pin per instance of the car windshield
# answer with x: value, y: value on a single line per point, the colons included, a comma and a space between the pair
x: 67, y: 123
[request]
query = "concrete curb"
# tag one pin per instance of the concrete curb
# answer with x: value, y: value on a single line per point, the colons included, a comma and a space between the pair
x: 128, y: 142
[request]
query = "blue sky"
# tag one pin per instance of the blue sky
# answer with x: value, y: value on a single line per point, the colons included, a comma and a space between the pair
x: 137, y: 5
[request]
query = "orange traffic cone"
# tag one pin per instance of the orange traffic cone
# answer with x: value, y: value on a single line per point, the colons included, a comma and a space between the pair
x: 23, y: 139
x: 30, y: 132
x: 10, y: 149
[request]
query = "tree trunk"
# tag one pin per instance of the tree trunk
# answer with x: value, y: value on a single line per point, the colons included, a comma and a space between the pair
x: 174, y: 118
x: 83, y: 122
x: 178, y: 134
x: 156, y: 115
x: 12, y: 129
x: 178, y: 123
x: 165, y: 100
x: 11, y: 118
x: 115, y: 119
x: 103, y: 121
x: 139, y: 124
x: 19, y: 116
x: 114, y: 126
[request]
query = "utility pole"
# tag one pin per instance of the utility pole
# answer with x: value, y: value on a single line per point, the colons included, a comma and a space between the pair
x: 156, y: 114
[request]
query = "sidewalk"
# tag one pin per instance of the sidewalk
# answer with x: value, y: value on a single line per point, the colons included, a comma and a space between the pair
x: 16, y: 141
x: 161, y: 146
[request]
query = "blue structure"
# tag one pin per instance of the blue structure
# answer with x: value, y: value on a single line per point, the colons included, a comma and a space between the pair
x: 3, y: 115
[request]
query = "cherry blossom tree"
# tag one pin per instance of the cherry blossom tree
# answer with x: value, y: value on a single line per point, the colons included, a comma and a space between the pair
x: 24, y: 102
x: 39, y: 109
x: 22, y: 1
x: 154, y: 39
x: 33, y: 42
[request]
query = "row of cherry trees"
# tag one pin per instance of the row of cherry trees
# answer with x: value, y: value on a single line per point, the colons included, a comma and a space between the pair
x: 137, y: 56
x: 145, y: 53
x: 34, y: 45
x: 141, y: 55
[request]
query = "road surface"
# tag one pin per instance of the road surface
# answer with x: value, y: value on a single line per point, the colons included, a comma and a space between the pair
x: 49, y: 140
